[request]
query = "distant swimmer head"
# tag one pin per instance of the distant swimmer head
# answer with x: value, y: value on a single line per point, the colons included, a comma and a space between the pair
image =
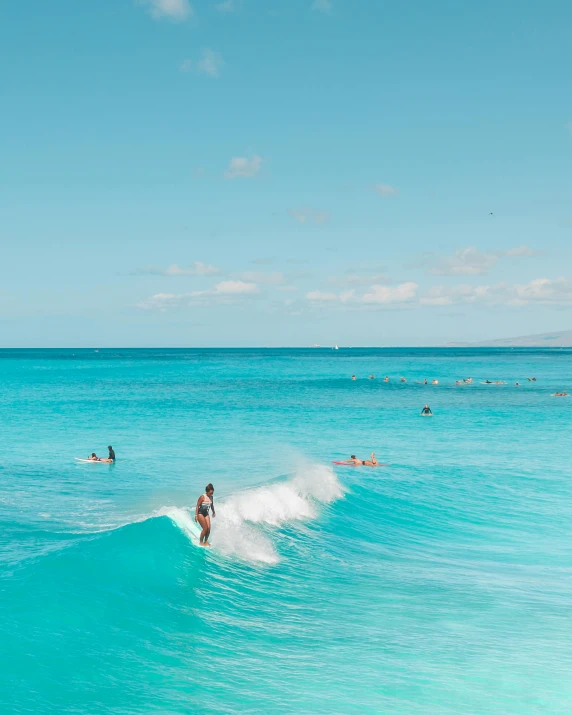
x: 209, y: 489
x: 352, y: 456
x: 93, y: 454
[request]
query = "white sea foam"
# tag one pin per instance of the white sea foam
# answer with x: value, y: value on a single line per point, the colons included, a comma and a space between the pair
x: 235, y: 530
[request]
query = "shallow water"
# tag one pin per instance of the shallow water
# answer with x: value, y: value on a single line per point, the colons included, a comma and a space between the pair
x: 439, y: 584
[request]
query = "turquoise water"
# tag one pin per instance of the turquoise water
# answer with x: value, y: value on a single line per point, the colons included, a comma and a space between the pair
x: 439, y: 584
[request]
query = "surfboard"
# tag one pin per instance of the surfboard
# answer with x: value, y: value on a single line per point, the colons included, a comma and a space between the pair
x: 91, y: 461
x: 195, y: 532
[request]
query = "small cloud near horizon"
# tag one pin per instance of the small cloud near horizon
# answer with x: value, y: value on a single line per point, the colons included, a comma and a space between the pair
x: 196, y: 269
x: 210, y: 63
x: 225, y: 293
x: 241, y: 167
x: 472, y: 262
x: 309, y: 215
x: 174, y: 10
x: 385, y: 190
x: 324, y: 6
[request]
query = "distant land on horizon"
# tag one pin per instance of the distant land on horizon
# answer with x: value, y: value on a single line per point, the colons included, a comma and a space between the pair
x: 561, y: 339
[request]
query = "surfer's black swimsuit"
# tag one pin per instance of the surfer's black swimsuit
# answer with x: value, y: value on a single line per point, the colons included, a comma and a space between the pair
x: 205, y: 506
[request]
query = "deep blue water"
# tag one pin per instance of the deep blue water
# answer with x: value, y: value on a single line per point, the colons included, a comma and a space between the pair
x: 438, y: 584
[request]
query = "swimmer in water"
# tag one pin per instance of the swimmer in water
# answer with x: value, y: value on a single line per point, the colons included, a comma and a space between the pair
x: 426, y: 410
x: 386, y: 379
x: 402, y: 379
x: 364, y: 462
x: 560, y: 394
x: 372, y: 377
x: 202, y: 513
x: 434, y: 382
x: 354, y: 377
x: 94, y: 458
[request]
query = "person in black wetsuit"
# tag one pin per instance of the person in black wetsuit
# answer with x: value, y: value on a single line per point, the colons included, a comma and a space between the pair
x: 426, y: 410
x: 111, y: 453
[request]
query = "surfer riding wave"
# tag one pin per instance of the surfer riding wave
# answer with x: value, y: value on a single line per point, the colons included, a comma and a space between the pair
x: 202, y: 513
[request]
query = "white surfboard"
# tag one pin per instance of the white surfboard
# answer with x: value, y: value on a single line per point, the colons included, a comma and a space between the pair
x: 91, y: 461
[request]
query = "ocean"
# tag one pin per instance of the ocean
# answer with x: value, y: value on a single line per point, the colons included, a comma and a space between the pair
x: 438, y: 584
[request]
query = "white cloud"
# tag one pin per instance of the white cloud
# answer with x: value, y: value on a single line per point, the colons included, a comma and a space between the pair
x: 325, y: 6
x: 274, y: 278
x: 309, y: 215
x: 227, y: 6
x: 472, y: 262
x: 378, y: 294
x: 540, y: 290
x: 317, y: 296
x: 402, y: 293
x: 465, y: 262
x: 447, y: 295
x: 223, y: 293
x: 519, y: 251
x: 211, y: 63
x: 241, y: 167
x: 161, y: 301
x: 385, y: 190
x: 545, y: 290
x: 176, y: 10
x: 232, y: 288
x: 195, y: 269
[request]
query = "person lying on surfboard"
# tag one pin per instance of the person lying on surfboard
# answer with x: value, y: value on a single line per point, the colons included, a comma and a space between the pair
x: 363, y: 462
x: 94, y: 458
x: 202, y: 514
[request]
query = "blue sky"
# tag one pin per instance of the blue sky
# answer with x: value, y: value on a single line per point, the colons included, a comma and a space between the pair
x: 263, y: 172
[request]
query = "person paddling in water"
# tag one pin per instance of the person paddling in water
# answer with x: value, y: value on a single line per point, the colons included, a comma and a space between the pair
x: 364, y: 462
x: 204, y: 505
